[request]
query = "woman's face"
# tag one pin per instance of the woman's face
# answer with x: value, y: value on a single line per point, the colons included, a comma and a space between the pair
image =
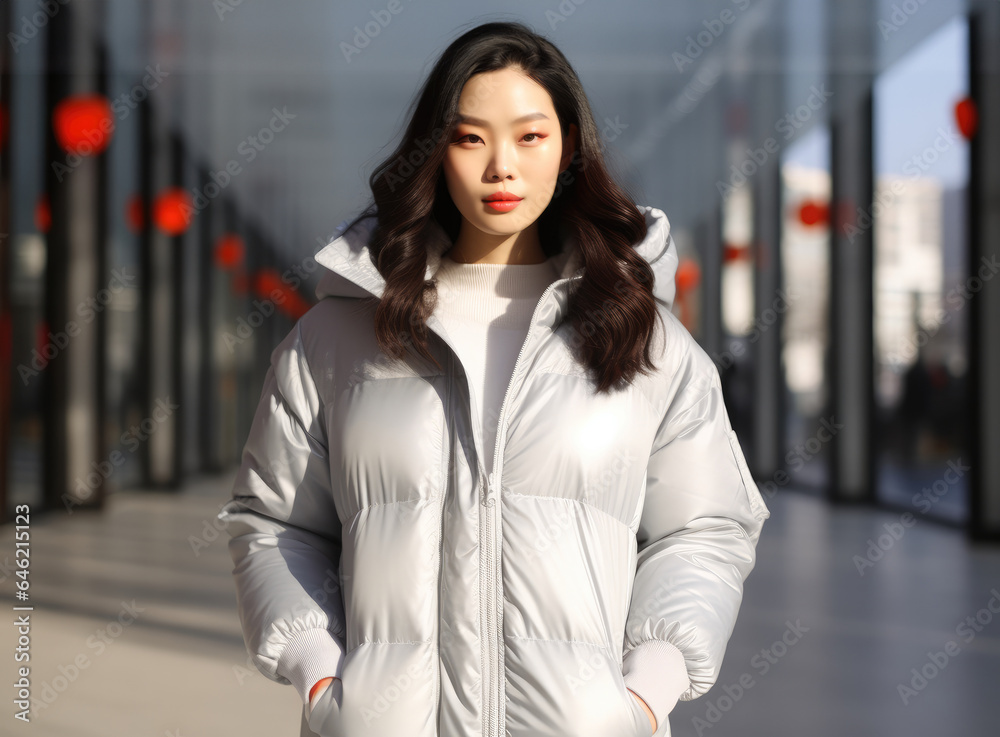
x: 507, y: 140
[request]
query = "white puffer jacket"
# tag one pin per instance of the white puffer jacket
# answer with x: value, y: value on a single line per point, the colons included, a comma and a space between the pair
x: 606, y: 552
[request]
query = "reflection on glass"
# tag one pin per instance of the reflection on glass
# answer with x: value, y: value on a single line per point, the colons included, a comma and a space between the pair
x: 31, y: 347
x: 921, y: 332
x: 735, y: 362
x: 123, y: 412
x: 805, y: 273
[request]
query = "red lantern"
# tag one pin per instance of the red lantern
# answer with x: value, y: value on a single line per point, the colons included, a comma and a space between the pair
x: 814, y: 213
x: 228, y: 251
x: 172, y: 210
x: 734, y: 253
x: 43, y: 213
x: 267, y: 281
x: 269, y: 285
x: 133, y: 213
x: 967, y: 117
x: 83, y: 124
x: 688, y: 275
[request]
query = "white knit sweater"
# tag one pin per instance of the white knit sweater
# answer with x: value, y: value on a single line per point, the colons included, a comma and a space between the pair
x: 486, y: 309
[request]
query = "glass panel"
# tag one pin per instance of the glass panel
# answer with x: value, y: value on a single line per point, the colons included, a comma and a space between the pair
x: 736, y: 360
x: 921, y: 330
x: 28, y: 255
x: 123, y: 409
x: 804, y: 303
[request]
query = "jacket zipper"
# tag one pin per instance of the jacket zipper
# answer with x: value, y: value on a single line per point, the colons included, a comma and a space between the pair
x: 493, y: 586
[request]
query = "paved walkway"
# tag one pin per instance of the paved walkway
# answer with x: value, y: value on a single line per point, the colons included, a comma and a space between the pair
x: 135, y: 631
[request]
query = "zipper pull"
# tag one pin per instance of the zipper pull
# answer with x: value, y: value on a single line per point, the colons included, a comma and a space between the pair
x: 488, y: 492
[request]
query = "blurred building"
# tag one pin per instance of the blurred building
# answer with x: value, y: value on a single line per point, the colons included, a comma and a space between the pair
x: 831, y: 171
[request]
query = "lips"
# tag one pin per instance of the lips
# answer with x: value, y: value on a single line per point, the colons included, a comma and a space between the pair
x: 502, y: 197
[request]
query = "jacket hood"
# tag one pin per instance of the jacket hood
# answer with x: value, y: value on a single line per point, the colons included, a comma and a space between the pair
x: 351, y: 273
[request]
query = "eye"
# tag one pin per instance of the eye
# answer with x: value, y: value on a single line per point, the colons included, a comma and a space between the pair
x: 468, y: 135
x: 537, y: 136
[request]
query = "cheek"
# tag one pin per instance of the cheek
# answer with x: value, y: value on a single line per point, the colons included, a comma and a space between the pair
x: 455, y: 177
x: 545, y: 168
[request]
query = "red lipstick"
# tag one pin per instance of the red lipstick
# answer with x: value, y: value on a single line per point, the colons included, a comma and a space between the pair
x: 502, y: 201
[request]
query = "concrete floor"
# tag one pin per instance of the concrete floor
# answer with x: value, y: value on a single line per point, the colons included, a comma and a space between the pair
x: 135, y: 632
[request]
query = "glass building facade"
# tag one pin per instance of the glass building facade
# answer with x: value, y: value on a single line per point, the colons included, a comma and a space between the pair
x: 830, y: 170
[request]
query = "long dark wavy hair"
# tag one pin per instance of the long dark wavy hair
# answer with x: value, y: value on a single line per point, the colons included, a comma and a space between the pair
x: 612, y: 307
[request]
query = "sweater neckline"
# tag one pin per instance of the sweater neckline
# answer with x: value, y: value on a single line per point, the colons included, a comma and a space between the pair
x: 501, y: 295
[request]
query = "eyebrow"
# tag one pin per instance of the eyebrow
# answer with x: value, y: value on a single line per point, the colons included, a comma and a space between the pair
x: 472, y: 120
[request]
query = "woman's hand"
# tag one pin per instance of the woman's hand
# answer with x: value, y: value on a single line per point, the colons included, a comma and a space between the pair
x: 317, y: 687
x: 652, y: 719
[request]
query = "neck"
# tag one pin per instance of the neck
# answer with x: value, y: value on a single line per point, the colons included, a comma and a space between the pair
x: 473, y: 246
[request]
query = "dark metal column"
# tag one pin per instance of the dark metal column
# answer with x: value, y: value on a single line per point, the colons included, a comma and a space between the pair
x: 6, y: 319
x: 765, y: 341
x: 984, y: 254
x: 851, y: 373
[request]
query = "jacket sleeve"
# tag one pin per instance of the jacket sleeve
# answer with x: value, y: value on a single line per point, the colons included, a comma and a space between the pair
x: 284, y: 532
x: 696, y: 542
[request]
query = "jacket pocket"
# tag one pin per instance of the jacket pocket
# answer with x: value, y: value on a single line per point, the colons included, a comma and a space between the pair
x: 637, y: 713
x: 324, y: 713
x: 387, y: 689
x: 559, y: 688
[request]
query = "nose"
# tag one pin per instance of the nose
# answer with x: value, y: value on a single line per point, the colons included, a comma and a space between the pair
x: 499, y: 168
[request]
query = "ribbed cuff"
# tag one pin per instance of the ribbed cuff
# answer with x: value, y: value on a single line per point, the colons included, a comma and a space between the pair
x: 309, y: 656
x: 655, y: 670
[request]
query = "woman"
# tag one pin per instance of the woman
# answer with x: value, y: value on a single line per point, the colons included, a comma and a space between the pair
x: 483, y: 494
